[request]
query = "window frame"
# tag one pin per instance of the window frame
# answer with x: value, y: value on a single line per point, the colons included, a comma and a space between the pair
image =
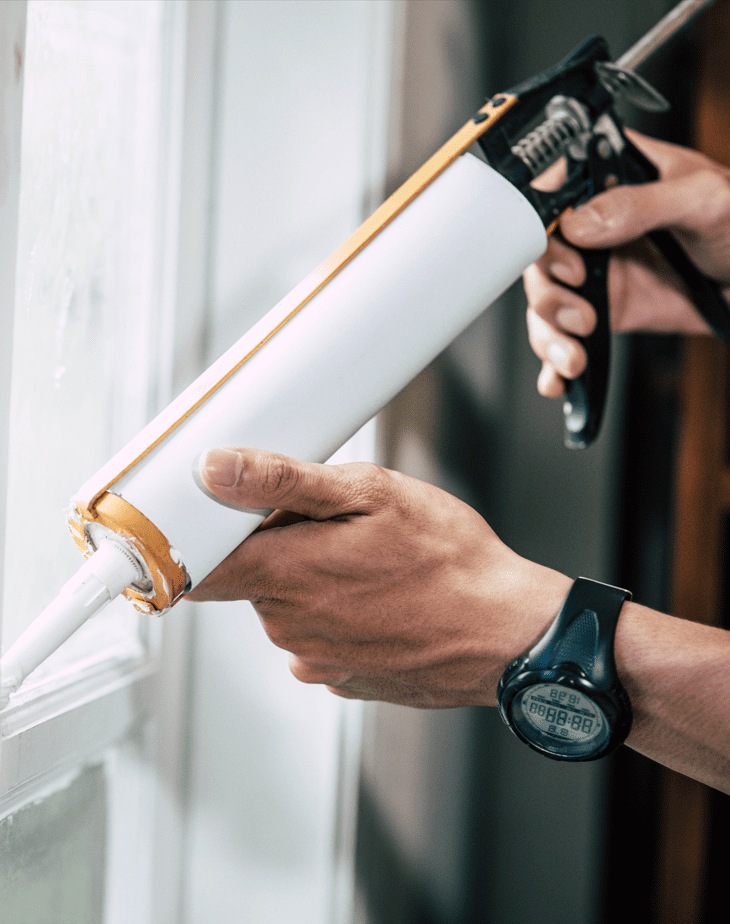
x: 91, y: 713
x: 118, y: 708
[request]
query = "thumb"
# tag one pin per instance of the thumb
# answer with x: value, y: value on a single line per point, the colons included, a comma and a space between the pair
x: 255, y: 479
x: 626, y: 213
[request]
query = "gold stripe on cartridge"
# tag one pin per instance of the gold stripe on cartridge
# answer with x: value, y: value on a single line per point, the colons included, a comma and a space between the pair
x: 219, y: 373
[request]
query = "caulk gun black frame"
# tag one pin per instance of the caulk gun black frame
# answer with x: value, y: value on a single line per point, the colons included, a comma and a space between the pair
x: 567, y: 111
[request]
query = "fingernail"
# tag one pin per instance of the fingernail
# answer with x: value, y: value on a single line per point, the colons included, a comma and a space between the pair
x: 221, y: 467
x: 559, y: 356
x: 570, y: 319
x: 562, y: 271
x: 585, y: 220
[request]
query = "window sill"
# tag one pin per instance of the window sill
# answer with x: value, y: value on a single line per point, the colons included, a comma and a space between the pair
x: 54, y: 726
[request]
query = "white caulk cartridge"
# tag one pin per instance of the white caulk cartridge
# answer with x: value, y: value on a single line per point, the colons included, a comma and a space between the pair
x: 304, y: 379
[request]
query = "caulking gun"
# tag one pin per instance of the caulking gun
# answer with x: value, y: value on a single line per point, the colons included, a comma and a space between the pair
x: 445, y: 245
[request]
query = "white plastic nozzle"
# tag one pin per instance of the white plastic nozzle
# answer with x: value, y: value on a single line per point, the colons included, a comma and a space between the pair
x: 98, y: 581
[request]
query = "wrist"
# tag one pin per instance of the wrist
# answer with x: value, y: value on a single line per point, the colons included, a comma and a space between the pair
x: 543, y: 592
x: 659, y: 657
x: 531, y: 596
x: 675, y: 672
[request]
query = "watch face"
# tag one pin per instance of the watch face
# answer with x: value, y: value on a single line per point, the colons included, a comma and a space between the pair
x: 560, y: 719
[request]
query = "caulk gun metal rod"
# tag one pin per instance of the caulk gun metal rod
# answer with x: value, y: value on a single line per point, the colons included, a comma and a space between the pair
x: 675, y: 20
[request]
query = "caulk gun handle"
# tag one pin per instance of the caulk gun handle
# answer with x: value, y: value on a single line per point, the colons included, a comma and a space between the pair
x: 585, y: 396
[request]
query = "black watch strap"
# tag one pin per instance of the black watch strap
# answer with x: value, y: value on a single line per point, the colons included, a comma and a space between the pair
x: 583, y: 632
x: 564, y: 698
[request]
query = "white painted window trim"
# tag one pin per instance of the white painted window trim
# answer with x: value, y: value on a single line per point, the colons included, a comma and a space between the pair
x: 103, y: 673
x: 79, y: 717
x: 12, y: 51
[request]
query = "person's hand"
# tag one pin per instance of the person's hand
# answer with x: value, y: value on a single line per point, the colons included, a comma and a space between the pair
x: 384, y: 587
x: 691, y: 199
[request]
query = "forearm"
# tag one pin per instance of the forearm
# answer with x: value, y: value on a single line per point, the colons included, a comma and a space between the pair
x: 677, y: 675
x: 391, y: 589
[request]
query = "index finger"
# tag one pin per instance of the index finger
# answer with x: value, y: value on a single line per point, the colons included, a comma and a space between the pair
x: 673, y: 160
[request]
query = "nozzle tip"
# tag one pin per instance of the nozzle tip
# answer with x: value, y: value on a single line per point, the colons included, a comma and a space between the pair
x: 11, y: 676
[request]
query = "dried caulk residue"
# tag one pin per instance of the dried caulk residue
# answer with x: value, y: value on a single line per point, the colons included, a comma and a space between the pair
x: 10, y: 680
x: 176, y: 557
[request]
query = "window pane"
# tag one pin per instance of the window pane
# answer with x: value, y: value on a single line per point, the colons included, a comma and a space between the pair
x: 53, y: 865
x: 88, y: 287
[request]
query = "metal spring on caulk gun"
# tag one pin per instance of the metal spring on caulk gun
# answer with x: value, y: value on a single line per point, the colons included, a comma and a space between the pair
x: 565, y: 129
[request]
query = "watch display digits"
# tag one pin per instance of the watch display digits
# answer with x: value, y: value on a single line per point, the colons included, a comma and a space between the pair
x: 560, y: 713
x: 563, y: 698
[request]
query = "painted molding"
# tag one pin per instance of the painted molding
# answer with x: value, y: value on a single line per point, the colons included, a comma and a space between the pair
x: 79, y: 732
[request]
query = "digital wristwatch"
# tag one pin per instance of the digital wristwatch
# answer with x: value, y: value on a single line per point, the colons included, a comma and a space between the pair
x: 563, y: 698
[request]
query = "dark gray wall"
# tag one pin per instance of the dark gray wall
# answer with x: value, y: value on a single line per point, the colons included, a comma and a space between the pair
x: 533, y: 832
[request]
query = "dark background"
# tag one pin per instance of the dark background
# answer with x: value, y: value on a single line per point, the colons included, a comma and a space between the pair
x: 458, y: 821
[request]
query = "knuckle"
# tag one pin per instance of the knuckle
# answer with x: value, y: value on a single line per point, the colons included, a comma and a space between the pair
x: 279, y: 477
x: 576, y: 317
x: 366, y: 473
x: 278, y: 633
x: 539, y: 332
x: 305, y: 672
x: 544, y: 302
x: 532, y: 279
x: 576, y: 362
x: 537, y: 285
x: 532, y: 335
x: 612, y: 204
x: 367, y: 483
x: 713, y: 187
x: 549, y: 383
x: 588, y: 320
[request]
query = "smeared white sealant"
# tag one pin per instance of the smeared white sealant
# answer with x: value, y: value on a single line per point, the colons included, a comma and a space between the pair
x: 176, y: 557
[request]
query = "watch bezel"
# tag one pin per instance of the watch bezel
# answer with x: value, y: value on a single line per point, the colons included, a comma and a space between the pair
x: 613, y: 703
